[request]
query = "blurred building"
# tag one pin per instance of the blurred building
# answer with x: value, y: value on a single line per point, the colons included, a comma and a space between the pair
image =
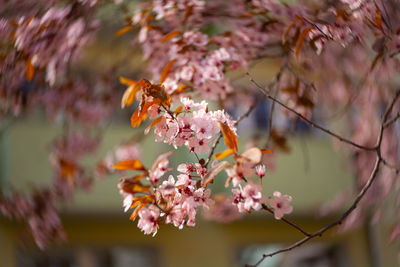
x: 100, y: 233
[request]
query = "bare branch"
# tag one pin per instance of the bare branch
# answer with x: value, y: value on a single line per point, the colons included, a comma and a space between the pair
x: 392, y: 120
x: 265, y: 207
x: 313, y: 124
x: 213, y: 150
x: 301, y: 79
x: 394, y: 168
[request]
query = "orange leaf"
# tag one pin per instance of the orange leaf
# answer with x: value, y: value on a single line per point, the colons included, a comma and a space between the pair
x: 127, y: 82
x: 188, y: 12
x: 153, y: 124
x: 68, y: 170
x: 288, y: 29
x: 265, y: 151
x: 180, y: 89
x: 178, y: 110
x: 224, y: 154
x: 170, y: 35
x: 301, y: 39
x: 123, y: 31
x: 229, y: 136
x: 136, y: 211
x: 29, y: 21
x: 129, y: 165
x: 378, y: 20
x: 166, y: 70
x: 133, y: 187
x: 140, y: 114
x: 30, y: 70
x: 129, y: 95
x: 141, y: 199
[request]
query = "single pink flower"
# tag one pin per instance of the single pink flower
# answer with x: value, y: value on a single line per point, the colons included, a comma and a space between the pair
x: 281, y: 204
x: 148, y: 220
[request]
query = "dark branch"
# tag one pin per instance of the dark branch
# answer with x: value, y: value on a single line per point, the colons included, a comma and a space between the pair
x: 313, y: 124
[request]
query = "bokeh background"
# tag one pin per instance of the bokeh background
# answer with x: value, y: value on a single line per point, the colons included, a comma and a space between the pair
x: 100, y: 234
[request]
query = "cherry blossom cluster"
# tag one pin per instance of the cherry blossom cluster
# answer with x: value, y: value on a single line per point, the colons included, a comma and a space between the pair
x: 193, y: 125
x: 195, y: 128
x: 176, y: 201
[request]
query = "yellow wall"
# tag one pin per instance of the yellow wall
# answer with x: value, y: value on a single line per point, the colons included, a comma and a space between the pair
x: 208, y: 244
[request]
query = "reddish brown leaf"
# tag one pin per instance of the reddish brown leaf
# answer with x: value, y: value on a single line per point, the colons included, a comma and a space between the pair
x: 378, y: 20
x: 229, y: 136
x: 305, y: 101
x: 127, y: 82
x: 266, y: 151
x: 180, y: 89
x: 279, y: 140
x: 30, y: 70
x: 188, y: 13
x: 340, y: 13
x: 131, y: 186
x: 136, y: 211
x: 129, y: 95
x: 123, y: 31
x: 301, y: 40
x: 29, y: 21
x: 68, y: 170
x: 140, y: 114
x: 166, y: 70
x: 287, y: 31
x: 170, y: 35
x: 154, y: 122
x: 134, y: 164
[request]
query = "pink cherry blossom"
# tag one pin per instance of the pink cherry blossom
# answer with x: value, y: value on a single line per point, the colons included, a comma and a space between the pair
x: 280, y: 204
x: 148, y: 220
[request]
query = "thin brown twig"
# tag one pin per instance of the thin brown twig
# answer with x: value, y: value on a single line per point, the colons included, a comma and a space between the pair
x: 265, y: 207
x: 390, y: 166
x: 392, y: 120
x: 247, y: 113
x: 213, y: 150
x: 313, y: 124
x: 301, y: 79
